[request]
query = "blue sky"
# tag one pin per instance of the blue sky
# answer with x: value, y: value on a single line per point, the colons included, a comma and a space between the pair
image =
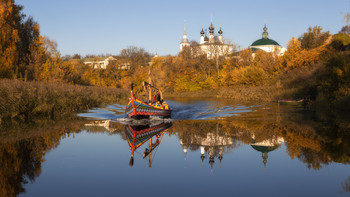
x: 108, y: 26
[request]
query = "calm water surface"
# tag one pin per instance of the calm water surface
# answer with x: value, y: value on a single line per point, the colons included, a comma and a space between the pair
x: 209, y: 148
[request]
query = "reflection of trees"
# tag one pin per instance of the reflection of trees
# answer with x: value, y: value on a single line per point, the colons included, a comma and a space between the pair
x: 346, y: 185
x: 314, y: 138
x: 23, y: 151
x: 322, y: 140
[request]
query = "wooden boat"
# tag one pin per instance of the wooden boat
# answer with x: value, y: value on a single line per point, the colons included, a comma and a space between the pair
x: 137, y: 135
x: 138, y: 109
x: 291, y: 101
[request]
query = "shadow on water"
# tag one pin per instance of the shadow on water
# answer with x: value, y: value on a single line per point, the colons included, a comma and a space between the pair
x: 211, y: 129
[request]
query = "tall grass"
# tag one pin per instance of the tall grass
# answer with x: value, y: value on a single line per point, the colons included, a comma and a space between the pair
x: 26, y: 100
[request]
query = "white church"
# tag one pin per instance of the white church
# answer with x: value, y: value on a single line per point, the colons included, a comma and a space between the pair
x: 267, y: 44
x: 212, y: 46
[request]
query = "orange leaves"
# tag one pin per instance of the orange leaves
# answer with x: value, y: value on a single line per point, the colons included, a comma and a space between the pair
x: 250, y: 75
x: 296, y: 57
x: 296, y: 141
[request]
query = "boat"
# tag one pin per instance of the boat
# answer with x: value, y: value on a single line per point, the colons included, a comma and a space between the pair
x: 156, y: 108
x: 291, y: 101
x: 137, y: 135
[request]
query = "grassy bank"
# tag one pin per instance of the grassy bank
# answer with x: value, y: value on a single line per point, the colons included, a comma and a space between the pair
x: 268, y: 93
x: 25, y: 100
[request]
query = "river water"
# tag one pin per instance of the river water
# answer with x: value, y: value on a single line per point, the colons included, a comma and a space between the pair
x: 210, y: 147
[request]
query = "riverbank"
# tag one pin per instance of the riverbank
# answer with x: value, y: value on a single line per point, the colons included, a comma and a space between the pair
x: 26, y: 100
x: 269, y: 94
x: 264, y: 94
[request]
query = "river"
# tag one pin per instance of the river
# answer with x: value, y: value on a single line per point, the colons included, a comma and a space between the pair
x: 210, y: 147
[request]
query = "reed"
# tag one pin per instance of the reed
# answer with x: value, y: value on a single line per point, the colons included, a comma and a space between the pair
x: 26, y: 100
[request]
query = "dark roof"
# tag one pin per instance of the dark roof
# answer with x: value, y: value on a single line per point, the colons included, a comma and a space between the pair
x: 264, y: 148
x: 220, y: 31
x: 264, y: 41
x: 254, y: 49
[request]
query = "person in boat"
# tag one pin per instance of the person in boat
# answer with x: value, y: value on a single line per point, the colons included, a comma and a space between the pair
x: 156, y: 98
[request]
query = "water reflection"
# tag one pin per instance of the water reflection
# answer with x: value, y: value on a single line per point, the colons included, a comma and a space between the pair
x: 213, y: 139
x: 137, y: 135
x: 23, y: 148
x: 266, y: 146
x: 312, y: 138
x: 212, y: 144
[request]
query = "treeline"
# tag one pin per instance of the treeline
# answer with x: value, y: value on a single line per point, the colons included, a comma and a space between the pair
x: 315, y: 65
x: 26, y: 55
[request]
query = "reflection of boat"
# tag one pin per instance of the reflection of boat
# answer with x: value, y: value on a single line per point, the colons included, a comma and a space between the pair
x: 156, y: 108
x: 137, y: 135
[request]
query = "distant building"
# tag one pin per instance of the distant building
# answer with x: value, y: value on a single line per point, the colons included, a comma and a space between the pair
x: 101, y: 64
x: 125, y: 66
x: 267, y: 44
x: 212, y: 46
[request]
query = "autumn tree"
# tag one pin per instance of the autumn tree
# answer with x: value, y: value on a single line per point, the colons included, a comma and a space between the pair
x: 245, y: 58
x: 76, y: 56
x: 135, y: 56
x: 218, y: 51
x: 345, y: 30
x: 289, y: 57
x: 21, y: 46
x: 313, y: 38
x: 267, y: 61
x: 10, y: 18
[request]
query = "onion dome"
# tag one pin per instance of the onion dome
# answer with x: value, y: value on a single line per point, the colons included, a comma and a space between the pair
x: 265, y: 34
x: 202, y: 32
x: 264, y: 40
x: 211, y: 28
x: 206, y: 38
x: 220, y: 31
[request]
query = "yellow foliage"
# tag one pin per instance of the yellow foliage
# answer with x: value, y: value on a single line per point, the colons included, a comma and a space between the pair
x: 250, y: 75
x: 296, y: 57
x: 245, y: 58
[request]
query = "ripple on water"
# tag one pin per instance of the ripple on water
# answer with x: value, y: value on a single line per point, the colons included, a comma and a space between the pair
x: 193, y: 110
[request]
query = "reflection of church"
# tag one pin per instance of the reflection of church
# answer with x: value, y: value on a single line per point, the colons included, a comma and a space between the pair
x: 266, y: 146
x: 211, y: 146
x: 107, y: 124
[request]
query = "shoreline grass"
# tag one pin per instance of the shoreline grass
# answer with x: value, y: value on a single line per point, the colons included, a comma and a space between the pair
x: 26, y: 100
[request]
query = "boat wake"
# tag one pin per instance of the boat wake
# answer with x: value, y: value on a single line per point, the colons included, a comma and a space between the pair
x: 131, y: 121
x: 194, y: 110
